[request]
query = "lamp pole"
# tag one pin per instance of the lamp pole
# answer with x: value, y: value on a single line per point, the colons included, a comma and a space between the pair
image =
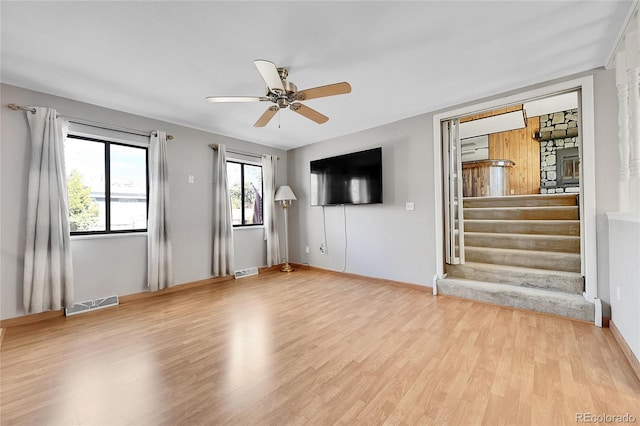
x: 286, y: 267
x: 286, y: 195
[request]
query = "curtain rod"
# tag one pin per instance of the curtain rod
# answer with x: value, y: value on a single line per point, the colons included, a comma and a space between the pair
x: 214, y: 146
x: 15, y: 107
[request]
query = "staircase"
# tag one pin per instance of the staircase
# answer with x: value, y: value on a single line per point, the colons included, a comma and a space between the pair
x: 524, y: 252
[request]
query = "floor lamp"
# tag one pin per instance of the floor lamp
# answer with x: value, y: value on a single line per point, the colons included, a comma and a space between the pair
x: 286, y: 196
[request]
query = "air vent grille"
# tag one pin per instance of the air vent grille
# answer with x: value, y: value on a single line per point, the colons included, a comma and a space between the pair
x: 241, y: 273
x: 92, y: 305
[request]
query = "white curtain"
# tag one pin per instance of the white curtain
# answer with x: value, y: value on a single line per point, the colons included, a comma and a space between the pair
x: 269, y: 168
x: 48, y: 269
x: 159, y: 258
x: 222, y: 220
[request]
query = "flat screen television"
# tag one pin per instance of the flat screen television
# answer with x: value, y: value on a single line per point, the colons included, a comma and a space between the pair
x: 354, y: 178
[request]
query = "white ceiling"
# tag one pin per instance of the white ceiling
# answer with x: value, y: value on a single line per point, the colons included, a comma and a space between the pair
x: 161, y: 59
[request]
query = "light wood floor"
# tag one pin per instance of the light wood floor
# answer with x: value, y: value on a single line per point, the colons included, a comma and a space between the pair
x: 311, y: 348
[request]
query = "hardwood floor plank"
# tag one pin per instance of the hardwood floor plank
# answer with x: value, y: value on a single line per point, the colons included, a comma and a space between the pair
x: 310, y: 347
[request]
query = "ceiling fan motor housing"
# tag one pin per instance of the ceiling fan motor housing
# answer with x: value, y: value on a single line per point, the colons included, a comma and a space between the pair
x: 289, y: 88
x: 283, y: 100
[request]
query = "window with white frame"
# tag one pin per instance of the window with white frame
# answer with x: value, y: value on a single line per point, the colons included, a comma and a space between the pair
x: 107, y: 184
x: 245, y: 191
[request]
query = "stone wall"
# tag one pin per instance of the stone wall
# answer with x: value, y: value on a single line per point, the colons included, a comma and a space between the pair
x: 557, y: 131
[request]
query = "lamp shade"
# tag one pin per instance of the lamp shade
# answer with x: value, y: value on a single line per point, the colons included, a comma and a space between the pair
x: 284, y: 193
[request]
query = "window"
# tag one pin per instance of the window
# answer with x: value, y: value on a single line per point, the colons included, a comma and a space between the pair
x: 107, y: 186
x: 245, y: 191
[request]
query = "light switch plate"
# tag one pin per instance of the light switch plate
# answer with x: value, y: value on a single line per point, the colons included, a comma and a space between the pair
x: 410, y: 206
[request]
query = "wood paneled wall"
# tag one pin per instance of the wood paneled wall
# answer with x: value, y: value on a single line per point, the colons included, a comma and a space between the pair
x: 492, y: 113
x: 519, y: 147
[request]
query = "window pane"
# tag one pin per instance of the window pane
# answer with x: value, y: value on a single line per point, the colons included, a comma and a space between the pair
x: 84, y: 161
x: 235, y: 191
x: 128, y: 187
x: 253, y: 194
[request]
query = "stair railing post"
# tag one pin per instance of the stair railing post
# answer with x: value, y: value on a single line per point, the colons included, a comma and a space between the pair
x: 623, y: 131
x: 632, y: 46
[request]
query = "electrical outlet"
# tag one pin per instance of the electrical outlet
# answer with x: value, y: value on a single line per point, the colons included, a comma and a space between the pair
x: 306, y: 249
x: 323, y: 248
x: 192, y: 179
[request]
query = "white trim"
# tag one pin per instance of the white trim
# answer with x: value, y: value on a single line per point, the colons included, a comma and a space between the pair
x: 106, y: 236
x: 598, y: 312
x: 610, y: 62
x: 623, y: 217
x: 82, y: 130
x: 109, y: 139
x: 589, y: 255
x: 438, y: 194
x: 243, y: 161
x: 248, y: 227
x: 588, y: 195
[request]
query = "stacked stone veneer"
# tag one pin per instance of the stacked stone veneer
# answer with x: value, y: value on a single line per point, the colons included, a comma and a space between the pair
x: 557, y: 131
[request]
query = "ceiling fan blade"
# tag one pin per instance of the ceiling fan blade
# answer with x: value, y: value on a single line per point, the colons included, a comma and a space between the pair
x: 310, y: 113
x: 266, y: 116
x: 269, y: 73
x: 322, y: 91
x: 237, y: 98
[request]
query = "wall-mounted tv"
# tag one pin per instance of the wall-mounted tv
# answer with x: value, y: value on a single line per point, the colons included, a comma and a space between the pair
x: 354, y: 178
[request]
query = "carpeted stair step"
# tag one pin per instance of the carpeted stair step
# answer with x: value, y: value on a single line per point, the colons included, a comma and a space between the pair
x: 523, y: 213
x: 569, y: 262
x: 559, y: 243
x: 567, y: 282
x: 533, y: 299
x: 549, y: 227
x: 522, y: 201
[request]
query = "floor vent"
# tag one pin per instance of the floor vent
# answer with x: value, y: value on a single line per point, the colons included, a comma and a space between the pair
x: 241, y: 273
x: 92, y: 305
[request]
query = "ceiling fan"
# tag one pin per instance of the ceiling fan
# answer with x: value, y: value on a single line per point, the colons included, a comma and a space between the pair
x: 285, y: 94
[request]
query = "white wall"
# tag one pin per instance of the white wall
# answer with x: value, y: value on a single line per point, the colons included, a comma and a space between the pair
x: 105, y: 266
x: 387, y: 241
x: 384, y: 240
x: 95, y: 270
x: 624, y: 240
x: 606, y: 155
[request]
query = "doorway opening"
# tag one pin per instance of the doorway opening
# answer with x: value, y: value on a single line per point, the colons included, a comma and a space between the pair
x: 517, y: 202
